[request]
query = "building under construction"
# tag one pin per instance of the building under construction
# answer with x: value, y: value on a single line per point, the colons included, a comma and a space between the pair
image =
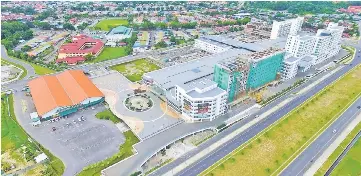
x: 264, y: 67
x: 248, y: 72
x: 231, y: 75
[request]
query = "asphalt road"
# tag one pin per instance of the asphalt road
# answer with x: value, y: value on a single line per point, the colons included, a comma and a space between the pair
x: 329, y: 171
x: 28, y: 67
x: 225, y: 149
x: 304, y: 161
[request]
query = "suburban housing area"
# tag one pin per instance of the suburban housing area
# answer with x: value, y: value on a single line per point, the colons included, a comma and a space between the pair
x: 180, y: 88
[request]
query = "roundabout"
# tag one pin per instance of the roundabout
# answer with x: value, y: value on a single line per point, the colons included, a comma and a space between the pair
x: 138, y: 102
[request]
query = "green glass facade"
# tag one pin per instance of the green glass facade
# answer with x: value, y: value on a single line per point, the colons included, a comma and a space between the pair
x: 264, y: 71
x: 227, y: 80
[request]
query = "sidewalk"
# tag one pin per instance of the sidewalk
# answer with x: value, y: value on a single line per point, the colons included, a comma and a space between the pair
x: 322, y: 159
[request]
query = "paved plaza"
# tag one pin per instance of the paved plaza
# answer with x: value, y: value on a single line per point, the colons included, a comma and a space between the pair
x: 144, y: 124
x: 77, y: 143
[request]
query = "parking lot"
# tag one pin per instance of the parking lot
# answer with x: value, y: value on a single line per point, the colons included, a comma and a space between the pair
x: 76, y: 142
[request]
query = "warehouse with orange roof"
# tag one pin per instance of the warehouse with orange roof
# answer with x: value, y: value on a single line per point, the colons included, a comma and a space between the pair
x: 62, y: 94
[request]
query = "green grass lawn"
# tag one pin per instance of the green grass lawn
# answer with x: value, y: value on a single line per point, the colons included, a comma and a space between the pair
x: 350, y: 165
x: 25, y: 72
x: 332, y: 158
x: 108, y: 115
x: 13, y: 136
x: 274, y: 148
x: 106, y: 24
x: 125, y: 151
x: 109, y: 53
x: 40, y: 70
x: 134, y: 70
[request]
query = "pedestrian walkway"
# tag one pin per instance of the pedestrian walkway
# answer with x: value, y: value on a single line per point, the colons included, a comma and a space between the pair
x: 323, y: 158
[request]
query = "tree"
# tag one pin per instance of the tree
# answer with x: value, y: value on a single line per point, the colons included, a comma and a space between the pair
x: 172, y: 39
x: 69, y: 26
x: 161, y: 44
x: 12, y: 32
x: 82, y: 26
x: 26, y: 48
x: 89, y: 57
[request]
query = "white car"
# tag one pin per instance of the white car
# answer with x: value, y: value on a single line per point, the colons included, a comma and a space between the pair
x: 334, y: 131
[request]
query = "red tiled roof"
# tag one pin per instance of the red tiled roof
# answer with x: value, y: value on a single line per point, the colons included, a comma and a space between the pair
x: 79, y: 42
x: 71, y: 60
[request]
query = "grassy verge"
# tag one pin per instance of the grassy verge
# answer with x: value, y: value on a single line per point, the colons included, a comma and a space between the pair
x: 40, y: 70
x: 108, y: 115
x: 350, y: 165
x: 25, y: 72
x: 134, y: 70
x: 14, y: 137
x: 125, y: 151
x: 332, y: 158
x: 276, y: 146
x: 107, y: 24
x: 159, y: 166
x: 109, y: 53
x: 351, y: 50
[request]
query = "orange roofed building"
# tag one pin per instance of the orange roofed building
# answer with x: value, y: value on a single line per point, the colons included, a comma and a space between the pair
x: 63, y: 94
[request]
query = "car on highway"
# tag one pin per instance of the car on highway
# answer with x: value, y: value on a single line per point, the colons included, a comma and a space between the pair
x: 358, y: 107
x: 334, y: 131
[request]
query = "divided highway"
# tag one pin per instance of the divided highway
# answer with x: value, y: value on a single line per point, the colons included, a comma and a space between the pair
x: 304, y: 161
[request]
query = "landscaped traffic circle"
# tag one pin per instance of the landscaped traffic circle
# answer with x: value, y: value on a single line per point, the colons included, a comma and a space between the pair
x: 138, y: 102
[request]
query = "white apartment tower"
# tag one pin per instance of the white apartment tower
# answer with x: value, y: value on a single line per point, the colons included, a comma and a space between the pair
x: 300, y: 46
x: 290, y: 67
x: 284, y: 28
x: 201, y: 100
x: 325, y: 44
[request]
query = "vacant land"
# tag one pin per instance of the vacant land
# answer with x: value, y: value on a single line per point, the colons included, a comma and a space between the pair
x: 125, y: 151
x: 109, y: 53
x: 332, y: 158
x: 15, y: 142
x: 270, y: 151
x: 106, y: 25
x: 25, y: 72
x: 134, y: 70
x: 108, y: 115
x: 351, y: 164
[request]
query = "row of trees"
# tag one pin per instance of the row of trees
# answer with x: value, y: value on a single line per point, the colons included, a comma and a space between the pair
x: 130, y: 42
x: 12, y: 32
x: 25, y: 10
x: 48, y: 26
x: 23, y: 56
x: 300, y: 7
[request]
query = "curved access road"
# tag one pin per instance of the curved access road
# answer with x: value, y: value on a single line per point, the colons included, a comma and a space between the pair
x: 30, y: 70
